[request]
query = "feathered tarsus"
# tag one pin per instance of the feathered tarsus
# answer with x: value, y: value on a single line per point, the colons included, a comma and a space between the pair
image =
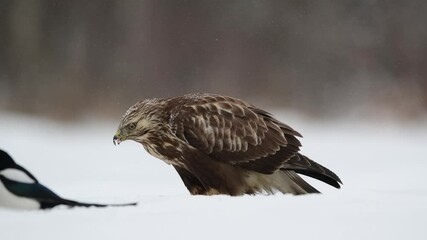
x: 222, y: 145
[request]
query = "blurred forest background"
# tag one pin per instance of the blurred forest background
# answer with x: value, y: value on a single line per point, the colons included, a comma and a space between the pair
x: 355, y: 58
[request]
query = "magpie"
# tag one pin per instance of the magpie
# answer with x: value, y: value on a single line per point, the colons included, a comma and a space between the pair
x: 19, y: 189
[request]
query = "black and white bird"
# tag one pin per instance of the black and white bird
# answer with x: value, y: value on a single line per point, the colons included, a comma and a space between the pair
x: 19, y: 189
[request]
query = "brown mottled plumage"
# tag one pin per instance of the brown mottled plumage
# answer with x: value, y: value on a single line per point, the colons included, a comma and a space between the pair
x: 222, y: 145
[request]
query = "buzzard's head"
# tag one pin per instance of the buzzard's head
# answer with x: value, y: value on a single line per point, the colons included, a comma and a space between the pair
x: 141, y: 120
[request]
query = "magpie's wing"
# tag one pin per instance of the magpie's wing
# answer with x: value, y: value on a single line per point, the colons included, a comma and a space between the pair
x: 34, y: 191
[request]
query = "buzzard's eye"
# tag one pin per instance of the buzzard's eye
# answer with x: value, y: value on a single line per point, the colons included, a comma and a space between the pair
x: 131, y: 126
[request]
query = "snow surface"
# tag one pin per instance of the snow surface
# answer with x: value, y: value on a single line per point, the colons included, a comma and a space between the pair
x: 382, y: 165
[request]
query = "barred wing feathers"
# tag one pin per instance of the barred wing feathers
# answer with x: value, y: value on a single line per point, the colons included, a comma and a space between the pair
x: 231, y: 130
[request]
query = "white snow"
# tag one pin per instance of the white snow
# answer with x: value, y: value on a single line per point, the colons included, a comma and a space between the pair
x: 382, y: 165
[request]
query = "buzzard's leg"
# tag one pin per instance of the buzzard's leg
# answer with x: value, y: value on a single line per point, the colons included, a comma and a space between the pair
x: 216, y: 177
x: 191, y: 182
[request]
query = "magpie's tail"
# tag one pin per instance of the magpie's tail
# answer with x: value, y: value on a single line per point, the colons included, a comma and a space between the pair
x: 71, y: 203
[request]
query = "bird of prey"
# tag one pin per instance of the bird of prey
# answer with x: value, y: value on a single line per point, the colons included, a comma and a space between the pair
x: 19, y: 189
x: 222, y: 145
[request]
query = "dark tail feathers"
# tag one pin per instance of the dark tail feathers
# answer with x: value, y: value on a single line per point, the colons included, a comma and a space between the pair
x: 71, y: 203
x: 80, y: 204
x: 303, y: 165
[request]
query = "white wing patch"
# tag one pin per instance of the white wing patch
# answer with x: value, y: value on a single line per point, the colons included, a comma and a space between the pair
x: 16, y: 175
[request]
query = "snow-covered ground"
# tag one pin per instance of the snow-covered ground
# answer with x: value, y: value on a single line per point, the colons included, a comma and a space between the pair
x: 383, y: 167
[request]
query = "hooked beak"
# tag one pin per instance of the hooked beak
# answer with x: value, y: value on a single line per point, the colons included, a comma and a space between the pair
x: 118, y: 138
